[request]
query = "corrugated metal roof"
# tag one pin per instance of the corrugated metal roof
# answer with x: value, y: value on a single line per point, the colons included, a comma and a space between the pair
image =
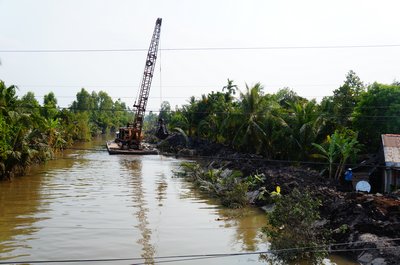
x: 391, y: 149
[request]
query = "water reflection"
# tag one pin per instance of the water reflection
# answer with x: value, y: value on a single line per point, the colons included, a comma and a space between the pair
x: 22, y: 206
x: 17, y: 207
x: 247, y: 222
x: 138, y: 196
x: 161, y: 188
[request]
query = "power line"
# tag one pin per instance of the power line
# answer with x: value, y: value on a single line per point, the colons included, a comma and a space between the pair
x: 177, y: 258
x: 202, y: 49
x: 114, y: 97
x: 129, y: 86
x: 286, y: 47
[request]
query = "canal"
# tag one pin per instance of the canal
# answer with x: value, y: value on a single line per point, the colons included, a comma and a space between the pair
x: 92, y: 208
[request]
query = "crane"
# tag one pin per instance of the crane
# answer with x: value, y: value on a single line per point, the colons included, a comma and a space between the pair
x: 130, y: 137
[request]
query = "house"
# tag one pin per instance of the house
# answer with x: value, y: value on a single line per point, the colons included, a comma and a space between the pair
x: 391, y: 167
x: 381, y: 170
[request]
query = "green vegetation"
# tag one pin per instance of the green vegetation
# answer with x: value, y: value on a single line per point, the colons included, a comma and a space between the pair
x: 338, y: 147
x: 286, y: 126
x: 292, y: 231
x: 31, y: 133
x: 376, y: 113
x: 282, y: 126
x: 227, y: 185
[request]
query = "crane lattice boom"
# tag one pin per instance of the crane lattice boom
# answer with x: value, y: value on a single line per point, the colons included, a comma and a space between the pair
x: 147, y: 78
x: 130, y: 136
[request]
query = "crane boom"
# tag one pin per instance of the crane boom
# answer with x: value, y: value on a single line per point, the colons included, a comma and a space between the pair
x: 131, y: 136
x: 147, y: 78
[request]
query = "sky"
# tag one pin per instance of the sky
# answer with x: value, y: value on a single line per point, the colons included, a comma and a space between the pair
x: 294, y: 41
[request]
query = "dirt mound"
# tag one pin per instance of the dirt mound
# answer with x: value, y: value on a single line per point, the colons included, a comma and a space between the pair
x: 353, y: 216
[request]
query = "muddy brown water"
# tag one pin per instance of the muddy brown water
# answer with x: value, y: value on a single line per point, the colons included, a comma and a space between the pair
x: 88, y: 205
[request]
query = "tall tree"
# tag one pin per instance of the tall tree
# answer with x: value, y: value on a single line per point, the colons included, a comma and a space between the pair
x: 286, y: 97
x: 346, y: 97
x: 189, y: 114
x: 50, y: 106
x: 250, y: 134
x: 105, y: 107
x: 8, y: 98
x: 377, y: 113
x: 29, y: 103
x: 304, y: 125
x: 83, y: 102
x: 165, y: 112
x: 121, y: 114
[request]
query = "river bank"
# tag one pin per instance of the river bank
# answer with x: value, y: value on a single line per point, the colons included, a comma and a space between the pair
x: 364, y: 226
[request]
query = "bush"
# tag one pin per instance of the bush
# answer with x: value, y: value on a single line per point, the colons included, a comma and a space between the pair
x: 227, y: 185
x: 235, y: 195
x: 292, y: 231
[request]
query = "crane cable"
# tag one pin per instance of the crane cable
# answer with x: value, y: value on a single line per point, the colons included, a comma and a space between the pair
x: 159, y: 50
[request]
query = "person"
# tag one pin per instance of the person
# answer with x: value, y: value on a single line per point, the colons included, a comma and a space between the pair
x: 348, y: 179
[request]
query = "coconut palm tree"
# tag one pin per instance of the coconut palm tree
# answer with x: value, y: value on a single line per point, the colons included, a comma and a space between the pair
x: 304, y: 124
x: 247, y: 121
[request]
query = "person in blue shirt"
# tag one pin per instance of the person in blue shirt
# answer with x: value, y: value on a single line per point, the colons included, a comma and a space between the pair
x: 348, y: 179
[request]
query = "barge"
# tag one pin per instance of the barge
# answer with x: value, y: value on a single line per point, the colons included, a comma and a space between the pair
x: 115, y: 149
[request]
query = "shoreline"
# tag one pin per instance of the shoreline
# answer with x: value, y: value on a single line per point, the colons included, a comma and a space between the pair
x: 364, y: 226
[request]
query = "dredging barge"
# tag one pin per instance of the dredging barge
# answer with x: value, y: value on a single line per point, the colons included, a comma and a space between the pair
x: 114, y: 148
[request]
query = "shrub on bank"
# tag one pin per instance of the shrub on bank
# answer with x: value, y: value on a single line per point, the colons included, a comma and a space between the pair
x: 227, y: 185
x: 292, y: 229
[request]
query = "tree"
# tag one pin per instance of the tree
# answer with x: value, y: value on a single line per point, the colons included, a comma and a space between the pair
x: 83, y: 102
x: 304, y: 125
x: 29, y: 104
x: 104, y: 114
x: 346, y: 97
x: 286, y: 97
x: 215, y: 106
x: 377, y: 113
x: 165, y: 112
x: 328, y: 118
x: 179, y: 120
x: 121, y: 114
x: 189, y: 112
x: 230, y: 88
x: 105, y: 108
x: 337, y: 150
x: 30, y: 133
x: 291, y: 226
x: 249, y: 135
x: 54, y: 133
x: 19, y: 138
x: 82, y: 126
x: 254, y: 122
x: 8, y: 99
x: 50, y: 106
